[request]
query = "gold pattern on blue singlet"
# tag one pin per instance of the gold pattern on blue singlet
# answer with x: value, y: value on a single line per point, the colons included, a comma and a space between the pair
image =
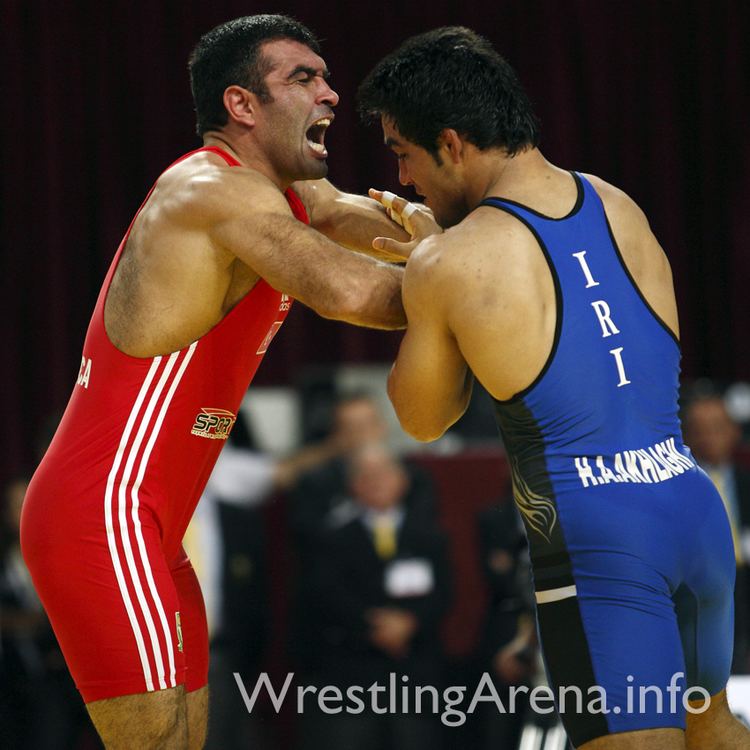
x: 539, y: 512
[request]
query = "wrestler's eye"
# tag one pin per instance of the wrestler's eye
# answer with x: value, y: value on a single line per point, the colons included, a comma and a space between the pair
x: 304, y: 81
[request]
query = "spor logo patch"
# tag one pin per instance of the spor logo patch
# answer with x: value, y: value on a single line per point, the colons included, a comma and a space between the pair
x: 214, y: 424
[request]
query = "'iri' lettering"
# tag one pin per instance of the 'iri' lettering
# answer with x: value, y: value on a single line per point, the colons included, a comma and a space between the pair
x: 604, y: 316
x: 601, y: 308
x: 581, y: 257
x: 617, y: 354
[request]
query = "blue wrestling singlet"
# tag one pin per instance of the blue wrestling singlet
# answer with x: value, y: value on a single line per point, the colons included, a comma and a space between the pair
x: 631, y: 547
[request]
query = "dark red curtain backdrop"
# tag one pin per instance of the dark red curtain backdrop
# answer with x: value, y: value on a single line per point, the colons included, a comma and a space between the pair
x: 649, y: 94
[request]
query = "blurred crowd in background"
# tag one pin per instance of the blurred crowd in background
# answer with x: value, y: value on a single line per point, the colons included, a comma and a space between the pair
x: 354, y: 556
x: 300, y: 543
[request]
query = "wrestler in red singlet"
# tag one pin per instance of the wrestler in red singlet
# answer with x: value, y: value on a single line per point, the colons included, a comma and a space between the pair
x: 106, y: 511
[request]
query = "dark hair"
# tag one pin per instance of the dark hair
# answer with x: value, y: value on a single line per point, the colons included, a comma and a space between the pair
x: 229, y: 55
x: 450, y: 78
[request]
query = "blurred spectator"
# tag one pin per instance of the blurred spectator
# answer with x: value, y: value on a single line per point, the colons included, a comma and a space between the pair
x: 39, y: 705
x: 508, y: 645
x: 317, y: 498
x: 226, y: 545
x: 381, y: 582
x: 321, y: 499
x: 713, y: 438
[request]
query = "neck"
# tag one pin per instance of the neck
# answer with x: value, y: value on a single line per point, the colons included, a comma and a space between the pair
x: 507, y: 171
x: 219, y: 140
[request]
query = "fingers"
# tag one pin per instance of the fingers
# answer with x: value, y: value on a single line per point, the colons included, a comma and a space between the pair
x: 394, y: 216
x: 415, y: 218
x: 392, y: 203
x: 409, y: 210
x: 393, y: 249
x: 398, y: 209
x: 385, y: 197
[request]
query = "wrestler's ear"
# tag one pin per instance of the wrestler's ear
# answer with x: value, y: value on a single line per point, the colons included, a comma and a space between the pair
x: 451, y: 145
x: 240, y: 104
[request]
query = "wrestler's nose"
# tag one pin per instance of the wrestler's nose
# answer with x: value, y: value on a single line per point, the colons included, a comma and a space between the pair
x: 403, y: 173
x: 328, y: 95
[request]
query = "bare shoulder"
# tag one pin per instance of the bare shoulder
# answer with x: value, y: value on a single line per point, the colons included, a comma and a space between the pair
x: 628, y: 222
x: 204, y: 189
x: 431, y: 266
x: 641, y: 252
x: 500, y: 252
x: 621, y: 209
x: 486, y: 236
x: 489, y: 256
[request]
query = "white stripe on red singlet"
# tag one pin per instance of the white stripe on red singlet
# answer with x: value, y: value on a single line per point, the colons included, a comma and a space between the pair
x: 111, y: 541
x: 136, y: 519
x: 122, y: 500
x: 130, y: 452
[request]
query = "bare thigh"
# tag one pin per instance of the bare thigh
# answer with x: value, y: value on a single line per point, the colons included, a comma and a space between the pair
x: 646, y: 739
x: 716, y: 728
x: 197, y: 717
x: 147, y: 721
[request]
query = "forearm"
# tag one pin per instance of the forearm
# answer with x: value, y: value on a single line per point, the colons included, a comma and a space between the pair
x: 350, y: 220
x: 303, y: 263
x: 426, y: 406
x: 382, y: 305
x: 370, y: 297
x: 355, y: 220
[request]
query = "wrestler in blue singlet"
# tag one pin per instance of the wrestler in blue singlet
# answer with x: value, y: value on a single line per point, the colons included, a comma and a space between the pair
x: 632, y: 551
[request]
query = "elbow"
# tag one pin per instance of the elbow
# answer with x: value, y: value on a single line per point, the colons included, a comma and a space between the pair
x: 415, y: 423
x: 337, y: 302
x: 419, y: 426
x: 423, y: 433
x: 361, y: 302
x: 344, y: 303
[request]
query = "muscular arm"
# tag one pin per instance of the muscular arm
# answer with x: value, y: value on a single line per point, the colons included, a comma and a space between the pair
x: 350, y: 220
x: 296, y: 259
x: 430, y: 383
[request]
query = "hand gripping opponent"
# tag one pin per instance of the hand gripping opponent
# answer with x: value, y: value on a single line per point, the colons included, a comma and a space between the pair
x: 415, y: 218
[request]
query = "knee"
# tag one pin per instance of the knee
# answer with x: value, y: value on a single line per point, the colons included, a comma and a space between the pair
x: 716, y: 727
x: 160, y: 730
x: 148, y: 721
x: 166, y: 727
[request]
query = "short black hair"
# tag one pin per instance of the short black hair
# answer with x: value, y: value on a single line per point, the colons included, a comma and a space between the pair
x: 228, y: 55
x: 450, y: 77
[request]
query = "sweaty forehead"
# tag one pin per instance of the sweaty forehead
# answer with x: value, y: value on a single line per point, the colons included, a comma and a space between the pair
x: 284, y: 55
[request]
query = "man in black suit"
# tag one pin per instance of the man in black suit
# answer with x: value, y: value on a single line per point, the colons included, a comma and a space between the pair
x: 321, y: 500
x: 381, y: 583
x: 321, y: 495
x: 713, y: 437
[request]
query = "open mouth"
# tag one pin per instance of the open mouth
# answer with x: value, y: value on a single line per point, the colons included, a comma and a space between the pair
x: 316, y: 135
